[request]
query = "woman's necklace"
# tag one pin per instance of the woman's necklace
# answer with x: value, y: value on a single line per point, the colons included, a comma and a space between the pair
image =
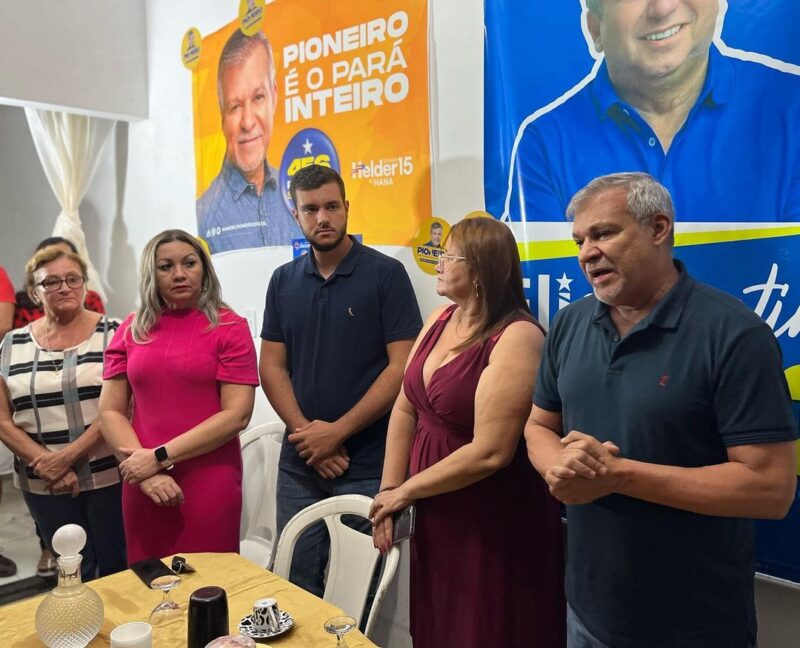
x: 58, y: 364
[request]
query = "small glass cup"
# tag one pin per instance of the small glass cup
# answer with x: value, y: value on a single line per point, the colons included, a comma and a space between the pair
x: 167, y: 610
x: 340, y: 626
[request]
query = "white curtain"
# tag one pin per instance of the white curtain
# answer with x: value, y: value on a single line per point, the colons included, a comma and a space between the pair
x: 69, y: 148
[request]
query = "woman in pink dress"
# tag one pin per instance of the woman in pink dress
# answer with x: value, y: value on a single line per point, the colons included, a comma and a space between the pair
x: 185, y: 365
x: 487, y: 554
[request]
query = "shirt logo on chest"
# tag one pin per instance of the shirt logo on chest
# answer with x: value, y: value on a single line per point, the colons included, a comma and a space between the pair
x: 663, y: 379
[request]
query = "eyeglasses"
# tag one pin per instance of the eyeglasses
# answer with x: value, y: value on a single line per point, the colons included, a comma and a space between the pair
x: 450, y: 257
x: 51, y: 284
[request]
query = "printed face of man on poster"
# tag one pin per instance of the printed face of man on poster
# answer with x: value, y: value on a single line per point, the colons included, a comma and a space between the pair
x: 436, y: 235
x: 243, y: 206
x: 653, y: 47
x: 247, y: 98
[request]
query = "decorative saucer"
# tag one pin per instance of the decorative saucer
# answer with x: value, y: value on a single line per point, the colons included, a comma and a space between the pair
x: 285, y: 623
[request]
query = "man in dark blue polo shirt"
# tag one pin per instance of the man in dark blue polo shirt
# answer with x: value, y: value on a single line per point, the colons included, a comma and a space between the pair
x: 338, y: 326
x: 678, y: 427
x: 666, y: 101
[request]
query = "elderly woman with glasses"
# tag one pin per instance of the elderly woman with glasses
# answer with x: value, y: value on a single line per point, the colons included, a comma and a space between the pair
x: 188, y: 364
x: 25, y: 312
x: 487, y: 553
x: 50, y: 380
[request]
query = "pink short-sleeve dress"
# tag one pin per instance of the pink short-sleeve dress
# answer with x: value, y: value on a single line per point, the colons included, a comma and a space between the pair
x: 175, y: 380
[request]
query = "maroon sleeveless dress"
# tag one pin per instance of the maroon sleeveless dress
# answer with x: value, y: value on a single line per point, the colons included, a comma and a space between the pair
x: 487, y: 561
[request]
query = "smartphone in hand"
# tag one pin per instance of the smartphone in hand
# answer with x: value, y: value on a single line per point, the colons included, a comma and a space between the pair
x: 403, y: 523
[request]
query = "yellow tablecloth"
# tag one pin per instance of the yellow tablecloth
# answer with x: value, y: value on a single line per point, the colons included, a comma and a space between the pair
x: 126, y: 599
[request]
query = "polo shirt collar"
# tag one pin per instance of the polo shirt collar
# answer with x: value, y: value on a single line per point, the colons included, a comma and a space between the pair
x: 717, y: 87
x: 346, y: 265
x: 237, y: 183
x: 666, y: 313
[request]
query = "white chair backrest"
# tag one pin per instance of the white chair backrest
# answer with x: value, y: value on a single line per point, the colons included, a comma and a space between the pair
x: 261, y: 447
x: 353, y: 559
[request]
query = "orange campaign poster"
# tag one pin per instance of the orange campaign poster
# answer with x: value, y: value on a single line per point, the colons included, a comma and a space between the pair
x: 298, y: 82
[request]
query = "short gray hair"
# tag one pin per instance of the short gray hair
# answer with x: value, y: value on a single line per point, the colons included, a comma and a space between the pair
x: 646, y: 197
x: 152, y: 305
x: 237, y: 50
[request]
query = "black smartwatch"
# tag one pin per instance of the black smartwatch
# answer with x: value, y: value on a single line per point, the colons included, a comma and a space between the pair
x: 163, y: 458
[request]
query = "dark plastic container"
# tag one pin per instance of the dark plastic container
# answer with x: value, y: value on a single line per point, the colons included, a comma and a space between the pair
x: 208, y: 616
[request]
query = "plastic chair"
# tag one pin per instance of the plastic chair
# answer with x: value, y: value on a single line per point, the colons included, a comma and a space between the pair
x: 261, y: 447
x: 353, y: 559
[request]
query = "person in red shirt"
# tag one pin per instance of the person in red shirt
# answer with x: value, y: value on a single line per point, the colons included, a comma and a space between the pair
x: 7, y: 567
x: 7, y: 301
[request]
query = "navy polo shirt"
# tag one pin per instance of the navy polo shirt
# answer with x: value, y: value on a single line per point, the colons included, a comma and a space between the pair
x: 700, y: 373
x: 736, y: 158
x: 335, y: 331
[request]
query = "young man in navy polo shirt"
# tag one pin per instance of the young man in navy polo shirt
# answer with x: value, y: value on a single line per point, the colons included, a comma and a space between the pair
x: 678, y: 428
x: 338, y: 326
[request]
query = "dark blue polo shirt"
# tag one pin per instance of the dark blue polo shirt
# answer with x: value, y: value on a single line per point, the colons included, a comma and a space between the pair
x: 700, y: 373
x: 736, y: 158
x: 335, y: 331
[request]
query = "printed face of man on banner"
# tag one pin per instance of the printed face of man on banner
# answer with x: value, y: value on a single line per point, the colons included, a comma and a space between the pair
x: 647, y: 42
x: 247, y: 100
x: 287, y: 87
x: 665, y: 95
x: 243, y: 207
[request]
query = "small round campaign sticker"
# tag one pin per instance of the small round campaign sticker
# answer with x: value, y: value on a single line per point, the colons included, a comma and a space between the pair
x: 307, y: 147
x: 428, y: 241
x: 251, y: 16
x: 191, y: 47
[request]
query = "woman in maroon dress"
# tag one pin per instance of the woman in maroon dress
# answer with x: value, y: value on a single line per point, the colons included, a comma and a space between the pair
x: 487, y: 554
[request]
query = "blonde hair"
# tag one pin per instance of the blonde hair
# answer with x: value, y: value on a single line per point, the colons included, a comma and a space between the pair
x: 43, y: 257
x: 152, y: 305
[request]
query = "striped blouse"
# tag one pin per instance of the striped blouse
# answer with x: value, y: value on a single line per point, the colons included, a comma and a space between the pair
x: 54, y: 398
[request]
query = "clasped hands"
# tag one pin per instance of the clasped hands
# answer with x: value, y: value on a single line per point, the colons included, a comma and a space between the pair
x: 55, y: 468
x: 140, y: 467
x: 584, y: 469
x: 320, y: 444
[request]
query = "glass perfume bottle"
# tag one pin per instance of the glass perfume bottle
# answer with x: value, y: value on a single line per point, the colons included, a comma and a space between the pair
x: 71, y: 615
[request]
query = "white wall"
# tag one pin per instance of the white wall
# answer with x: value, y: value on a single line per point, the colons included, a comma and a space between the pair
x: 87, y: 56
x: 28, y: 207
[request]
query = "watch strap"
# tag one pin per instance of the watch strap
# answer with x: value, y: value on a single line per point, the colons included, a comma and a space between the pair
x: 162, y: 457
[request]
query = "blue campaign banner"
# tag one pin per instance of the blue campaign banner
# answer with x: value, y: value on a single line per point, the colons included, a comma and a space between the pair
x: 554, y: 117
x: 566, y: 98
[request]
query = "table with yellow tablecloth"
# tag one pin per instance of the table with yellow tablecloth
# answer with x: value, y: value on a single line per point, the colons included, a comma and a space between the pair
x: 126, y: 598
